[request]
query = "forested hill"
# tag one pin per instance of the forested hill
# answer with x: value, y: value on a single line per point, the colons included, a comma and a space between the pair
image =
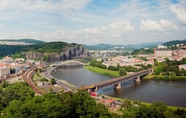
x: 174, y: 42
x: 24, y: 40
x: 40, y: 47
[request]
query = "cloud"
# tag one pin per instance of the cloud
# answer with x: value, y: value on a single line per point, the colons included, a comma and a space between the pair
x: 180, y: 13
x: 167, y: 25
x: 43, y: 5
x: 99, y: 34
x: 163, y: 25
x: 150, y: 25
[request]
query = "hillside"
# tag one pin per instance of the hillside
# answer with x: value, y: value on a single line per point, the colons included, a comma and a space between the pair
x: 174, y: 42
x: 23, y: 40
x: 48, y: 51
x: 126, y: 47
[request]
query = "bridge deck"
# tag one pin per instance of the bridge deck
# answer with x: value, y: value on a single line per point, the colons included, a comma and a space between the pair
x: 116, y: 80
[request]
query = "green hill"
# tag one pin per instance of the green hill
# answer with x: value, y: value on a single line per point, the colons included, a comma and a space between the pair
x: 174, y: 42
x: 45, y: 47
x: 24, y: 40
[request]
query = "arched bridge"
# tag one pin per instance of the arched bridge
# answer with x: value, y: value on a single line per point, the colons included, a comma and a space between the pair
x: 68, y: 63
x: 116, y: 82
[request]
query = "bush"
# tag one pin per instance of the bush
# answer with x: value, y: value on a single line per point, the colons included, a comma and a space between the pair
x: 53, y: 81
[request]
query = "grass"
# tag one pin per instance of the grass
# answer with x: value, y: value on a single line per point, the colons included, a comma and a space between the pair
x: 102, y: 71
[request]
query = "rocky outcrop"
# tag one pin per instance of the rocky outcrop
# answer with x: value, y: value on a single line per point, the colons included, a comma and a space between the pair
x: 69, y: 53
x: 37, y: 55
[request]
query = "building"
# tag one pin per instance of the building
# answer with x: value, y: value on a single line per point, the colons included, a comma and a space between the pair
x: 182, y: 66
x: 4, y: 71
x: 162, y: 53
x: 162, y: 47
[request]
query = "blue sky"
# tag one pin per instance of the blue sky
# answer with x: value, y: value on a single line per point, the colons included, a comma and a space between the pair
x: 94, y: 21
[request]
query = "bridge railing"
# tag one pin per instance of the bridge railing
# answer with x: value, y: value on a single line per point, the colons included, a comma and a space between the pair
x: 140, y: 73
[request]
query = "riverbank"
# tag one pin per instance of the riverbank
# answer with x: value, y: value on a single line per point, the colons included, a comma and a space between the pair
x: 165, y: 77
x: 102, y: 71
x: 133, y: 101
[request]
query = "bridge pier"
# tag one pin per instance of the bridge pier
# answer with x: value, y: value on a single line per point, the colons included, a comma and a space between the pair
x: 117, y: 86
x: 138, y: 79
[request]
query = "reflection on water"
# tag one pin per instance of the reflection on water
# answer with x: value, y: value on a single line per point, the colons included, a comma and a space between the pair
x: 172, y: 93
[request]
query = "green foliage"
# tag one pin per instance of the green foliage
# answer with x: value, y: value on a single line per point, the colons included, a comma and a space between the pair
x: 45, y: 58
x: 44, y: 79
x: 24, y: 40
x: 122, y: 72
x: 170, y: 43
x: 159, y: 69
x: 19, y: 55
x: 115, y: 68
x: 11, y: 49
x: 51, y: 105
x: 127, y: 104
x: 170, y: 69
x: 98, y: 64
x: 19, y: 91
x: 21, y: 103
x: 102, y: 71
x: 45, y: 47
x: 12, y: 70
x: 143, y: 51
x: 53, y: 81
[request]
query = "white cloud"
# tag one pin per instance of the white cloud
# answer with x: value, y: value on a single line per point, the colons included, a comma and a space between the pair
x: 180, y: 13
x: 167, y: 25
x: 163, y: 25
x: 99, y: 34
x: 43, y: 5
x: 150, y: 25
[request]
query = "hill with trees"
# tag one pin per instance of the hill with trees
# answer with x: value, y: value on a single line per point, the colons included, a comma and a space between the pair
x: 174, y: 42
x: 24, y: 40
x: 143, y: 51
x: 48, y: 51
x: 44, y: 47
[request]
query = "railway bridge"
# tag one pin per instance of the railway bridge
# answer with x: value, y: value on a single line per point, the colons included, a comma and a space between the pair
x: 116, y: 82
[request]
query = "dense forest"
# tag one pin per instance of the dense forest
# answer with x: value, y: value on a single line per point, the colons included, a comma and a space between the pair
x: 46, y: 47
x: 18, y: 101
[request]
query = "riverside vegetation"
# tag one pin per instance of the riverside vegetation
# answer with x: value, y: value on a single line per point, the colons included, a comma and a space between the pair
x: 19, y: 101
x: 168, y: 70
x: 98, y: 67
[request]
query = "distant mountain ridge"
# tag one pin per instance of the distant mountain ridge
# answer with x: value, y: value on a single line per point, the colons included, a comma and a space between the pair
x: 174, y: 42
x: 130, y: 46
x: 23, y: 40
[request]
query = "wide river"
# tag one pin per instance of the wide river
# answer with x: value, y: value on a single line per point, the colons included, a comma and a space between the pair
x: 169, y: 92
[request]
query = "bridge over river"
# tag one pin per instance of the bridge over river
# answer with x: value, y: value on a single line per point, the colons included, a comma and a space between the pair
x: 116, y: 82
x: 67, y: 63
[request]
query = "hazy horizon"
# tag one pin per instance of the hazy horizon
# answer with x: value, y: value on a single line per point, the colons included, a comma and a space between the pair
x: 94, y: 21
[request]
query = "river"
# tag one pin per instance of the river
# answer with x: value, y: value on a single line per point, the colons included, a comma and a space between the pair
x: 169, y: 92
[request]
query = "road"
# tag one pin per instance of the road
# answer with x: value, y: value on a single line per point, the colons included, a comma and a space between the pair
x: 61, y: 83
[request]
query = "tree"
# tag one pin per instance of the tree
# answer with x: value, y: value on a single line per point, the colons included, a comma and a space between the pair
x: 53, y: 81
x: 12, y: 70
x: 122, y: 71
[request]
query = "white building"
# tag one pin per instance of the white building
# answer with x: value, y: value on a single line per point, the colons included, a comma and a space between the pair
x: 162, y: 47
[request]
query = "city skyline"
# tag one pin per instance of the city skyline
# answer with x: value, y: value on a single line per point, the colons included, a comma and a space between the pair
x: 93, y: 22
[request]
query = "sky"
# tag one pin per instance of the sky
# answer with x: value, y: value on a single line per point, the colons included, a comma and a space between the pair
x: 94, y: 21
